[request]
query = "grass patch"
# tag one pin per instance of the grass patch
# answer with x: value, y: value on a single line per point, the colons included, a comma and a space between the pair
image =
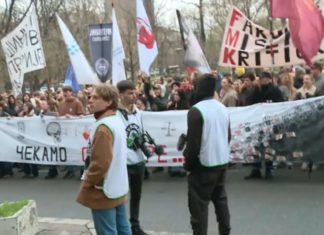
x: 8, y: 209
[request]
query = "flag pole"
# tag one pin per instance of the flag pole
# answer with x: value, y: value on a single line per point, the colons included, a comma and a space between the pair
x: 271, y: 40
x: 232, y: 69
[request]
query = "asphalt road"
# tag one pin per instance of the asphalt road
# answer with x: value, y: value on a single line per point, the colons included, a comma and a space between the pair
x: 288, y: 204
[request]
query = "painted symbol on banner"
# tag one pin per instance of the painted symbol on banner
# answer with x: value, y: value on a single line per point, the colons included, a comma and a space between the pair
x: 102, y: 67
x: 86, y: 135
x: 73, y: 49
x: 169, y: 129
x: 144, y: 33
x: 54, y: 129
x: 21, y: 129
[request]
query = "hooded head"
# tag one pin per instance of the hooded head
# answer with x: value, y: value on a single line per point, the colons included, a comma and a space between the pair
x: 205, y: 88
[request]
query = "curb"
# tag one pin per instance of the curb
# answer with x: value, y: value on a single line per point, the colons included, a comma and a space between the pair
x: 87, y: 226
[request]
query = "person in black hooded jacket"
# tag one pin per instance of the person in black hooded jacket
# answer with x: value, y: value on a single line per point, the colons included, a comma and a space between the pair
x: 266, y: 93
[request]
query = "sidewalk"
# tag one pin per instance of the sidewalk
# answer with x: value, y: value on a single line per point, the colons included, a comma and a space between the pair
x: 56, y: 226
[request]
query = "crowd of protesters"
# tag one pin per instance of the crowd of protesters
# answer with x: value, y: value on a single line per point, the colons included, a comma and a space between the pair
x: 167, y: 93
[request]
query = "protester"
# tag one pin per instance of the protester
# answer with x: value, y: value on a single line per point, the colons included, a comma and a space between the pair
x: 247, y: 90
x: 105, y: 185
x: 308, y: 89
x: 286, y: 86
x: 69, y: 107
x: 206, y: 158
x: 178, y: 101
x: 11, y: 106
x: 319, y: 79
x: 5, y: 167
x: 228, y: 95
x: 266, y: 93
x: 135, y: 159
x: 30, y: 170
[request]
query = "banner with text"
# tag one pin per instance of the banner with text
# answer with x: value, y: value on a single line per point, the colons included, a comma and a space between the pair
x: 23, y: 50
x: 288, y: 131
x: 100, y: 40
x: 246, y: 44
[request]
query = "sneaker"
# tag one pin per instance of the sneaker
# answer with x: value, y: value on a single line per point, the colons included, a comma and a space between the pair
x: 138, y: 231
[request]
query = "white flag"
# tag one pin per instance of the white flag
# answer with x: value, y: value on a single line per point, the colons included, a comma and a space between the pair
x: 23, y: 50
x: 82, y: 69
x: 146, y: 44
x: 194, y: 59
x: 118, y: 69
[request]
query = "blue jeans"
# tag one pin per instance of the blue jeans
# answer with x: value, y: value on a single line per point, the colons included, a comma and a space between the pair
x: 111, y: 221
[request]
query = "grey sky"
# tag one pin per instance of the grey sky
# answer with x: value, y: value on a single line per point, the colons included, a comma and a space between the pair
x: 168, y: 12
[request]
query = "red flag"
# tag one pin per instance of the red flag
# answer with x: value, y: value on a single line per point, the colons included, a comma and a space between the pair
x: 306, y: 24
x: 281, y: 8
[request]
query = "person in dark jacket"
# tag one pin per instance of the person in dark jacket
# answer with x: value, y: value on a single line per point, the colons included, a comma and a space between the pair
x: 247, y: 91
x: 11, y: 107
x: 266, y: 93
x: 157, y: 101
x: 5, y: 167
x: 206, y: 158
x: 178, y: 101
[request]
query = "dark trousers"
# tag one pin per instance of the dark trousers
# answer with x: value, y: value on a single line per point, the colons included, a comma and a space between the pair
x: 5, y: 168
x: 258, y: 165
x: 204, y: 187
x: 135, y: 177
x: 52, y: 171
x: 31, y: 168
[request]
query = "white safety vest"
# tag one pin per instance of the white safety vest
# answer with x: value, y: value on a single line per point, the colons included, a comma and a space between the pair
x: 116, y: 179
x: 133, y: 126
x: 214, y: 148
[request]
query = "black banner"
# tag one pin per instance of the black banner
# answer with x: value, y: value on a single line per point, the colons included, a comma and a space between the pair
x: 100, y: 41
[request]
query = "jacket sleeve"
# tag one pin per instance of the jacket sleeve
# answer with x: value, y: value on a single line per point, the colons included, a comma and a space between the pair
x: 101, y: 156
x: 191, y: 152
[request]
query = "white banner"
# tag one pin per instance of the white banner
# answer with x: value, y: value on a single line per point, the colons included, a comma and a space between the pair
x: 283, y: 128
x: 23, y: 50
x: 246, y: 44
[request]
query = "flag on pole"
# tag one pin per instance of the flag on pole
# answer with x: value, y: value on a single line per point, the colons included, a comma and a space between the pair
x: 194, y: 59
x: 306, y: 24
x: 82, y: 69
x: 23, y: 49
x: 70, y: 79
x: 118, y: 69
x: 100, y: 42
x: 146, y: 44
x: 282, y: 9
